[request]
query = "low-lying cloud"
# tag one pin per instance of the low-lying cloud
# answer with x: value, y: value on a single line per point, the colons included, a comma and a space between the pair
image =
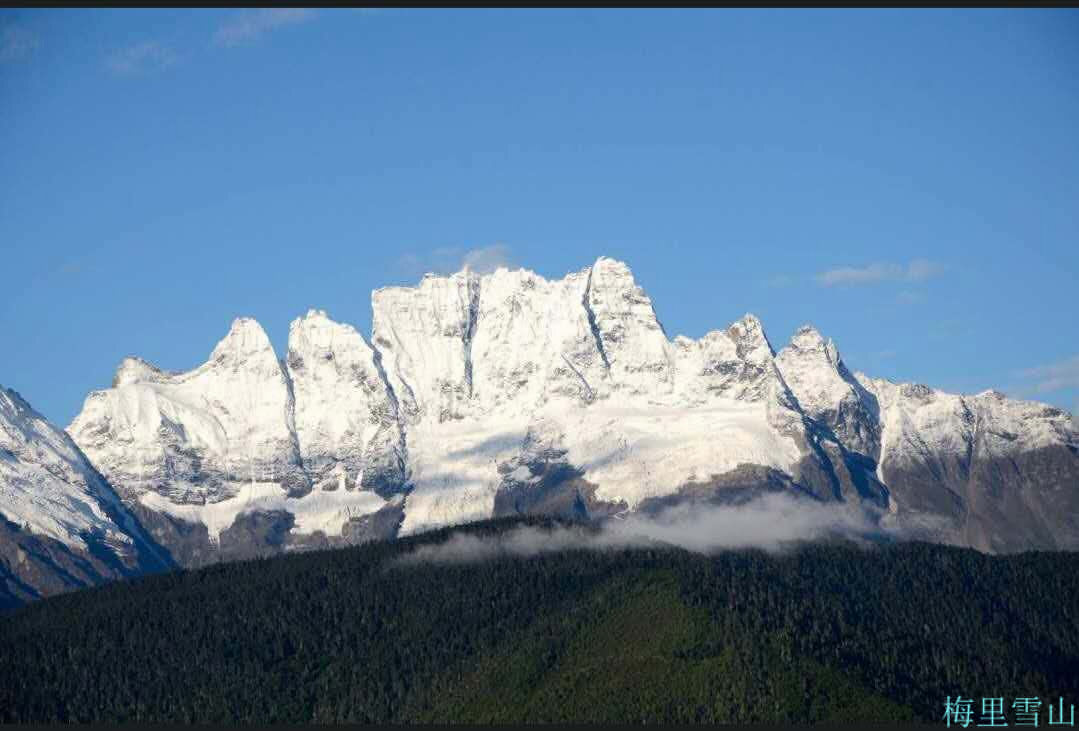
x: 770, y: 522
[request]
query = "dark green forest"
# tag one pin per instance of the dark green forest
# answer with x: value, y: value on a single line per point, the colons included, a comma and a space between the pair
x: 826, y: 632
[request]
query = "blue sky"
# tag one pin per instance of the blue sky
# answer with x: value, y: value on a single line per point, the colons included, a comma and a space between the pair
x: 907, y: 181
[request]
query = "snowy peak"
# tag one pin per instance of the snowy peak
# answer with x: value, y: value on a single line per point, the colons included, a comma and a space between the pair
x: 245, y: 342
x: 750, y: 340
x: 812, y: 368
x: 424, y: 335
x: 809, y: 342
x: 61, y: 525
x: 344, y: 415
x: 1010, y: 425
x: 917, y: 419
x: 316, y: 335
x: 194, y: 436
x: 465, y: 343
x: 135, y: 370
x: 827, y: 392
x: 736, y: 363
x: 632, y: 341
x: 47, y: 486
x: 533, y: 341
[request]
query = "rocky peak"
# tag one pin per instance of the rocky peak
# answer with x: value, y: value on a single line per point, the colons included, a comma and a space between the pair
x: 827, y: 392
x: 46, y: 486
x: 245, y: 341
x: 748, y: 335
x: 631, y: 339
x: 344, y: 414
x: 315, y: 334
x: 135, y: 370
x: 807, y: 341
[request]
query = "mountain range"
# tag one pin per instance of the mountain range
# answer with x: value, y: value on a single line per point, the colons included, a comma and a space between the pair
x: 500, y: 394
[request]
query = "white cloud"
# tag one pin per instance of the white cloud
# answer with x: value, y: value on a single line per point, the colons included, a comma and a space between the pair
x: 141, y: 58
x: 487, y: 259
x: 450, y: 259
x: 250, y: 25
x: 17, y: 43
x: 771, y: 522
x: 916, y: 271
x: 1055, y: 376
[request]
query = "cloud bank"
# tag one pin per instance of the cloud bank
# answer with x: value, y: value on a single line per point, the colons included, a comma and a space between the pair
x: 770, y: 522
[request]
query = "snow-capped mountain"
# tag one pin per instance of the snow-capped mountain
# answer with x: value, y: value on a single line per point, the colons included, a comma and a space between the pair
x: 481, y: 395
x: 61, y: 524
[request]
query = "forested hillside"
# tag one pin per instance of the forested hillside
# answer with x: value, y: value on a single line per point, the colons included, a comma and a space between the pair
x: 826, y: 632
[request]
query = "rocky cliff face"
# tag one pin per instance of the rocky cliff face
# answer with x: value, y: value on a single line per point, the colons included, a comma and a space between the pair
x: 506, y: 392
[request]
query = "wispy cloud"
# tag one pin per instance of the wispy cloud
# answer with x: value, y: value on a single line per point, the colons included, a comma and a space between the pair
x: 17, y: 43
x: 916, y: 271
x: 771, y: 522
x: 449, y: 259
x: 1053, y: 377
x: 250, y: 25
x: 140, y: 59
